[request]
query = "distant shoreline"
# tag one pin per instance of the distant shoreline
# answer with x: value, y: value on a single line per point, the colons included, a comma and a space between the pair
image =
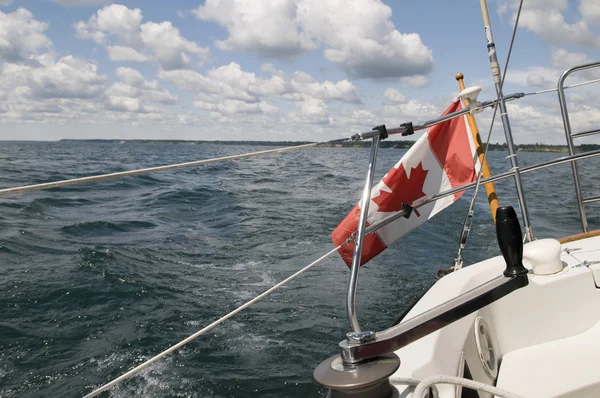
x: 359, y: 144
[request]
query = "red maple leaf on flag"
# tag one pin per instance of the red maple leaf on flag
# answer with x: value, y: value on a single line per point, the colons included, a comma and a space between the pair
x: 404, y: 189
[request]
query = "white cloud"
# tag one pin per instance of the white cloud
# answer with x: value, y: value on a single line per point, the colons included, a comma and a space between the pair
x: 69, y: 77
x: 538, y: 77
x: 122, y: 53
x: 269, y: 27
x: 357, y: 35
x: 126, y: 38
x: 313, y: 111
x: 343, y: 90
x: 413, y: 110
x: 234, y: 83
x: 124, y: 104
x: 233, y: 107
x: 188, y: 80
x: 228, y: 90
x: 590, y: 10
x: 535, y: 123
x: 231, y: 82
x: 563, y: 60
x: 171, y: 50
x: 123, y: 90
x: 397, y: 109
x: 393, y: 96
x: 36, y: 86
x: 584, y: 117
x: 117, y: 20
x: 21, y: 36
x: 546, y: 19
x: 161, y: 96
x: 130, y: 76
x: 354, y: 119
x: 53, y: 91
x: 135, y: 92
x: 6, y: 2
x: 360, y: 37
x: 547, y: 76
x: 417, y: 81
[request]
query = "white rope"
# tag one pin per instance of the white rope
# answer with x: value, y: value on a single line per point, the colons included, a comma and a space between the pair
x: 207, y: 328
x: 83, y: 180
x: 412, y: 383
x: 556, y: 89
x: 424, y: 386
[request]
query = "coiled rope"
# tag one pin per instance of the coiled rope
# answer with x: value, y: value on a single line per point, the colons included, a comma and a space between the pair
x: 216, y: 323
x: 423, y: 387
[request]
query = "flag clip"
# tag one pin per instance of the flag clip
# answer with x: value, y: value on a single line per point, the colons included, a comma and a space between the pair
x: 407, y: 209
x: 383, y: 134
x: 409, y: 129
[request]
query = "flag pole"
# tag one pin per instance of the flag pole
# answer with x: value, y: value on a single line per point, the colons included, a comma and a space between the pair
x: 490, y: 189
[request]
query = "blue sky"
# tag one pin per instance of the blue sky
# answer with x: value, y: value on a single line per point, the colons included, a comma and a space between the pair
x: 280, y: 69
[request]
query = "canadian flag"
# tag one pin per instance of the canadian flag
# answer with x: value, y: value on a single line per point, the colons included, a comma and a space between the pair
x: 442, y: 159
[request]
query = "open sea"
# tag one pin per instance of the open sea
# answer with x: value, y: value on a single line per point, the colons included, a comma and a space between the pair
x: 97, y: 278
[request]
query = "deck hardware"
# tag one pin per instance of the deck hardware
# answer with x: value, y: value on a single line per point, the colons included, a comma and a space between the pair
x: 360, y: 237
x: 587, y: 263
x: 407, y: 210
x: 485, y: 347
x: 359, y: 337
x: 362, y: 360
x: 470, y: 95
x: 410, y: 130
x: 383, y: 133
x: 510, y: 240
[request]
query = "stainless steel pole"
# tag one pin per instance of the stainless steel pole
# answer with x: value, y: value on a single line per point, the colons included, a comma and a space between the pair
x: 360, y: 236
x: 505, y: 122
x: 569, y: 136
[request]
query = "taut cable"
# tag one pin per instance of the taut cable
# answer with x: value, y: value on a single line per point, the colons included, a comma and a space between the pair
x: 216, y: 323
x: 121, y: 174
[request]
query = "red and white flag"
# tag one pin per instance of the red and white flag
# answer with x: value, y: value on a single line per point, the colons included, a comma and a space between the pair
x: 443, y: 158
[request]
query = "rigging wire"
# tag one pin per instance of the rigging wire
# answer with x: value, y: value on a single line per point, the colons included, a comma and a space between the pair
x: 102, y: 177
x: 209, y: 327
x: 470, y: 214
x: 556, y: 89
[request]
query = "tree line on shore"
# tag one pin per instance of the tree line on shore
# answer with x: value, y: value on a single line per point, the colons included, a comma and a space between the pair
x: 400, y: 144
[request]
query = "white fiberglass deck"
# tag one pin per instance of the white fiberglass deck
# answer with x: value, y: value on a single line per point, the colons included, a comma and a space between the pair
x: 546, y: 335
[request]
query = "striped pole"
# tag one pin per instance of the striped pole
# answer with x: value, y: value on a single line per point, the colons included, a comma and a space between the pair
x: 490, y: 189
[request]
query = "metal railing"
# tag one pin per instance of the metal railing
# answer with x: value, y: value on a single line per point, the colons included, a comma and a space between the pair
x: 581, y: 201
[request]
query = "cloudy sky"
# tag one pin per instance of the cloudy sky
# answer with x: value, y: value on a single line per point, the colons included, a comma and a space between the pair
x: 280, y: 69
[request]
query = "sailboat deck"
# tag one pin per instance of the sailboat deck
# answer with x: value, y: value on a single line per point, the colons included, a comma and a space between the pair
x: 539, y: 330
x: 559, y: 368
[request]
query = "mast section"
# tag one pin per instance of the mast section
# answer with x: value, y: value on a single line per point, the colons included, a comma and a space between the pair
x: 505, y: 122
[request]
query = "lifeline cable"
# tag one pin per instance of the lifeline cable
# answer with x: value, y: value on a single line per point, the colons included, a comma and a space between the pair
x: 550, y: 90
x: 121, y: 174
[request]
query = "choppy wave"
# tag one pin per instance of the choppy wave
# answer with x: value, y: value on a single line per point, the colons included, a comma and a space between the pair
x: 99, y: 277
x: 98, y: 228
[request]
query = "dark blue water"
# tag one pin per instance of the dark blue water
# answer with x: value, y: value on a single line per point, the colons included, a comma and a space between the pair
x: 97, y: 278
